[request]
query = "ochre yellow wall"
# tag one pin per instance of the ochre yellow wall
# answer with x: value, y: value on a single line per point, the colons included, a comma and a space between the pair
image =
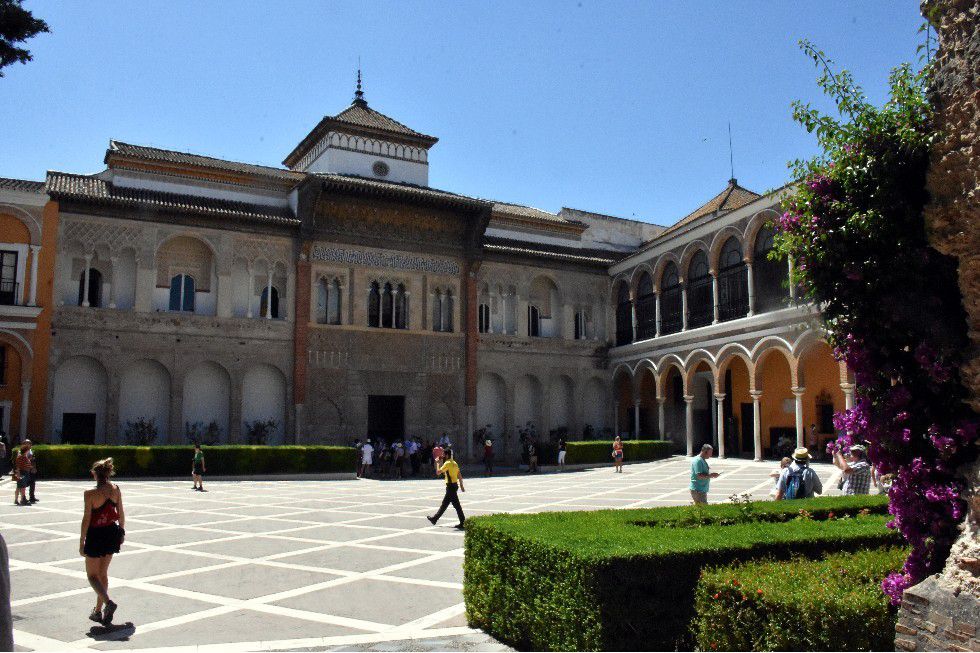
x: 10, y: 389
x: 819, y: 372
x: 773, y: 378
x: 14, y: 231
x: 42, y: 335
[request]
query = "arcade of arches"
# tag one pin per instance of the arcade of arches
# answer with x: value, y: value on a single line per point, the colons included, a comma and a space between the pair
x: 744, y: 402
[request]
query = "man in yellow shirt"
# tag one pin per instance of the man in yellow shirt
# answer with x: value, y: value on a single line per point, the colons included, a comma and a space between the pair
x: 454, y: 482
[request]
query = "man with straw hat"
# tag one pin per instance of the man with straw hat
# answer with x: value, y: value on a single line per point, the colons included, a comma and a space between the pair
x: 798, y: 481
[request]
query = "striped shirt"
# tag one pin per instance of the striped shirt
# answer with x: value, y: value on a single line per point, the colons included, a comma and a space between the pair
x: 859, y: 480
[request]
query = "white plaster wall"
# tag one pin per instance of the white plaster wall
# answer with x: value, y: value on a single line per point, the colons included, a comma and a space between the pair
x: 560, y: 403
x: 490, y: 402
x: 80, y: 386
x: 527, y: 403
x: 144, y: 392
x: 206, y: 397
x: 235, y: 194
x: 125, y: 280
x: 239, y: 289
x: 264, y: 398
x: 594, y: 404
x: 346, y: 162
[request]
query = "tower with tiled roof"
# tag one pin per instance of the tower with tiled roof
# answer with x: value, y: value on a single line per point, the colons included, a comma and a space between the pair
x: 364, y: 142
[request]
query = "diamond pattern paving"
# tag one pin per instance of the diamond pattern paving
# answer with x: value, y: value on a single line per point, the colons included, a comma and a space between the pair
x: 313, y: 565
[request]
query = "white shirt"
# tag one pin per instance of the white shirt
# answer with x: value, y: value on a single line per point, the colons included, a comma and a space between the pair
x: 367, y: 451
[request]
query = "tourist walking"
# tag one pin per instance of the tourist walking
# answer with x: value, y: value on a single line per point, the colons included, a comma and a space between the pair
x: 437, y: 454
x: 367, y: 458
x: 701, y: 475
x: 532, y: 457
x: 855, y: 469
x: 561, y: 454
x: 33, y: 477
x: 22, y: 476
x: 103, y: 524
x: 798, y: 481
x: 617, y: 454
x: 454, y: 484
x: 198, y: 468
x: 488, y: 457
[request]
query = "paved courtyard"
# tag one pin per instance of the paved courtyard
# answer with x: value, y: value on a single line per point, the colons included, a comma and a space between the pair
x: 296, y: 565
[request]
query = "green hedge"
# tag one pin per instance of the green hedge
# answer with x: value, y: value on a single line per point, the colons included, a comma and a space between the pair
x: 600, y: 451
x: 75, y: 460
x: 625, y: 579
x: 834, y: 604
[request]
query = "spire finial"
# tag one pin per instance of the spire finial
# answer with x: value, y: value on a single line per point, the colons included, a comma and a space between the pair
x: 359, y: 94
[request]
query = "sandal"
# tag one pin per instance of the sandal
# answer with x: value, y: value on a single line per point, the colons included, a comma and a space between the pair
x: 110, y: 610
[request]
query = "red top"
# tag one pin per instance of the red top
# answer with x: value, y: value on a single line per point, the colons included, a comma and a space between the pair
x: 105, y: 515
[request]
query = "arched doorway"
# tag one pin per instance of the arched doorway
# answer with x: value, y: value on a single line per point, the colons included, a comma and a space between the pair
x: 777, y: 404
x: 704, y: 415
x: 649, y: 417
x: 738, y: 411
x: 625, y: 418
x: 79, y: 405
x: 675, y: 428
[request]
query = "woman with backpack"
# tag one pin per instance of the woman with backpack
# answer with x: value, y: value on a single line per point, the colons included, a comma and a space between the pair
x: 798, y: 481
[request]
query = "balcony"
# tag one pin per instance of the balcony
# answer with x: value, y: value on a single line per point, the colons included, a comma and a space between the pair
x: 12, y: 302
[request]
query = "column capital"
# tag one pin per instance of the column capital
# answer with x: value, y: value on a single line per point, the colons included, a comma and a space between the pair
x: 689, y: 399
x: 661, y: 400
x: 756, y: 394
x: 847, y: 387
x: 637, y: 402
x: 34, y: 248
x: 799, y: 392
x: 720, y: 396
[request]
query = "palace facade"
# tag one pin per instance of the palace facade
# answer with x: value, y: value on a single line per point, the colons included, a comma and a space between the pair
x: 340, y: 296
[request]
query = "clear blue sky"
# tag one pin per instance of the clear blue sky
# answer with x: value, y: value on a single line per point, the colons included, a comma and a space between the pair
x: 615, y: 107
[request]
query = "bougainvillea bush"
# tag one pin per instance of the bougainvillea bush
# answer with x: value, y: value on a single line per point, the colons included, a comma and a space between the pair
x: 890, y: 303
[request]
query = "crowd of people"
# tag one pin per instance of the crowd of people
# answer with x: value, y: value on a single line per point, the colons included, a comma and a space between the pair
x: 399, y: 458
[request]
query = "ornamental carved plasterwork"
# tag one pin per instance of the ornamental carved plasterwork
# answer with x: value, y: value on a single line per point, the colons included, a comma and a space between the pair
x: 392, y: 223
x: 253, y: 249
x: 97, y: 235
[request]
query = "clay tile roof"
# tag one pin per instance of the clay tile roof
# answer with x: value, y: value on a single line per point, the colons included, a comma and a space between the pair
x: 22, y: 185
x: 186, y: 158
x: 399, y: 190
x: 62, y: 185
x: 527, y: 212
x: 548, y: 251
x: 361, y: 115
x: 733, y: 197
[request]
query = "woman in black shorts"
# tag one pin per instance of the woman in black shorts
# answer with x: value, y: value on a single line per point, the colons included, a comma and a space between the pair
x: 102, y: 535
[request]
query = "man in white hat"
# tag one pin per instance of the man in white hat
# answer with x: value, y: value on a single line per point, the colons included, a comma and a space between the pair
x: 856, y: 470
x: 798, y: 481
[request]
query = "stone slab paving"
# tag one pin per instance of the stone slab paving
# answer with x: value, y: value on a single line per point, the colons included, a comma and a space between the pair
x: 297, y: 565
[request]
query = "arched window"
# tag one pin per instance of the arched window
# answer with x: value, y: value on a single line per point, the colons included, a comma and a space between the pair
x: 700, y: 303
x: 484, y: 318
x: 401, y: 307
x: 387, y: 307
x: 442, y: 311
x: 671, y: 301
x: 328, y: 302
x: 264, y: 308
x: 624, y: 315
x: 646, y: 308
x: 580, y: 325
x: 374, y: 305
x: 533, y: 321
x: 94, y: 288
x: 733, y: 287
x: 182, y: 293
x: 770, y: 278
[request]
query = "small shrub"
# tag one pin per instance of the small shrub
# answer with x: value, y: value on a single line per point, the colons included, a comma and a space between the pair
x: 834, y: 604
x: 600, y: 451
x: 198, y: 433
x: 141, y: 433
x: 258, y: 432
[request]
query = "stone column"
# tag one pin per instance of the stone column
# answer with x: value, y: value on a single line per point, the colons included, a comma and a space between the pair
x: 757, y: 423
x: 250, y: 266
x: 114, y: 262
x: 633, y: 325
x: 689, y: 424
x: 268, y: 292
x: 88, y: 267
x: 636, y: 417
x: 661, y: 418
x: 657, y: 300
x: 25, y: 393
x: 751, y: 283
x: 683, y: 306
x: 720, y: 400
x: 792, y: 286
x: 848, y: 389
x: 800, y: 439
x: 32, y: 296
x: 714, y: 296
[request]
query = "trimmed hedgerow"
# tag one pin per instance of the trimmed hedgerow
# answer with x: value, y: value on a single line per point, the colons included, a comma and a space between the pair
x: 74, y: 460
x: 600, y: 451
x: 834, y: 604
x: 625, y: 579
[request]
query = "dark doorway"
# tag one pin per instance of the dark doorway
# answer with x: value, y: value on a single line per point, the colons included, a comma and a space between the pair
x: 78, y: 428
x: 748, y: 429
x: 386, y: 417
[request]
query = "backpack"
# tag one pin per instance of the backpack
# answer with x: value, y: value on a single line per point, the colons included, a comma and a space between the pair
x: 795, y: 488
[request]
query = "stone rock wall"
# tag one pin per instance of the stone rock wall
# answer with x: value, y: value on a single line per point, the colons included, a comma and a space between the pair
x: 943, y: 612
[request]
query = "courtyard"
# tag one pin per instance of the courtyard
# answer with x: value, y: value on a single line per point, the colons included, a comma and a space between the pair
x: 277, y: 565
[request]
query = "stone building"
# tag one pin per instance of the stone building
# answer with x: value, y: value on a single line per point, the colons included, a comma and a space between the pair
x: 341, y: 296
